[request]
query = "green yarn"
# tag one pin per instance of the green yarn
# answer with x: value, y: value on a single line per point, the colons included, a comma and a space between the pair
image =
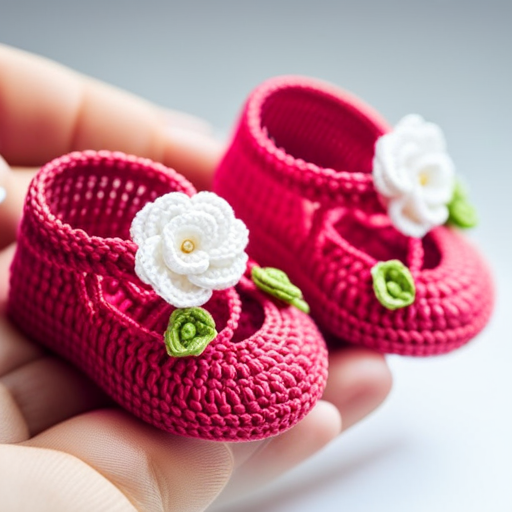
x: 276, y: 283
x: 461, y: 212
x: 301, y: 304
x: 189, y: 332
x: 393, y: 284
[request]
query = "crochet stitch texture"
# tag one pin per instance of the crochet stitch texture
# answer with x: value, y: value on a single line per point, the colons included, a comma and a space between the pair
x: 298, y: 172
x: 73, y: 288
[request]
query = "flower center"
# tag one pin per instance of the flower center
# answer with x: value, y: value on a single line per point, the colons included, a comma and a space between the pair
x: 423, y: 178
x: 188, y: 331
x: 187, y: 246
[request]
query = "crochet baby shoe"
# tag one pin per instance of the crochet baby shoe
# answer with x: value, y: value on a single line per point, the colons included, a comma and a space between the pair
x: 169, y: 324
x: 354, y: 212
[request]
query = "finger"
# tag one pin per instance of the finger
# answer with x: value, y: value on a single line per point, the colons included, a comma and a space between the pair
x: 13, y: 427
x: 49, y: 110
x: 188, y: 122
x: 36, y: 390
x: 154, y: 469
x: 271, y: 458
x: 48, y: 391
x: 14, y: 187
x: 15, y: 349
x: 51, y: 481
x: 359, y: 381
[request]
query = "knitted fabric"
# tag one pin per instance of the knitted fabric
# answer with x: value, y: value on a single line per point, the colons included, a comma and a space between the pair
x: 299, y: 174
x: 73, y: 288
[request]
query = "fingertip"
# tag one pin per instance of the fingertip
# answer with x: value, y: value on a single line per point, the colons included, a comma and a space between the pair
x: 359, y: 381
x: 310, y: 435
x: 188, y: 121
x: 322, y: 424
x: 192, y: 153
x: 264, y: 461
x: 329, y: 422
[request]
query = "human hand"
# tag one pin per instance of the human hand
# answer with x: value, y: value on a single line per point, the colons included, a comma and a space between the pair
x: 65, y: 445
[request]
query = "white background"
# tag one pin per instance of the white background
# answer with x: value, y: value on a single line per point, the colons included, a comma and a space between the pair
x: 442, y: 441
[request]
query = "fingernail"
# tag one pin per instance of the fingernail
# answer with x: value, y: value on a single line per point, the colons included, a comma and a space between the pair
x: 3, y: 194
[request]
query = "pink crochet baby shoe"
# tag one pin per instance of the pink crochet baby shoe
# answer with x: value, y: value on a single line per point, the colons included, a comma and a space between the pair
x: 356, y: 213
x: 242, y: 367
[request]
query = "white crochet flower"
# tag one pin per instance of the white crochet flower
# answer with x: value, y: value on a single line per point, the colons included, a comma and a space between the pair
x: 414, y: 175
x: 189, y: 246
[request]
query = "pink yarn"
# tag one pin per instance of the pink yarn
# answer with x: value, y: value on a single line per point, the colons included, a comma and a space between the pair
x: 299, y: 174
x: 73, y: 289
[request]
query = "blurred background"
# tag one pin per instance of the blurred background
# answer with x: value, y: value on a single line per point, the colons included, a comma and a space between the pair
x: 442, y: 441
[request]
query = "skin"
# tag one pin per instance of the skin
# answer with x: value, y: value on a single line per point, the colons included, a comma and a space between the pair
x: 60, y: 436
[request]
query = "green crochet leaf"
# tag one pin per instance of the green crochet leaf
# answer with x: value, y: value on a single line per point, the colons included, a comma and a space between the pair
x: 461, y: 212
x: 393, y: 284
x: 189, y: 332
x: 276, y: 283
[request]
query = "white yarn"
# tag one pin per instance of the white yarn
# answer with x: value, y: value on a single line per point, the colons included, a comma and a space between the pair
x: 189, y: 246
x: 414, y: 175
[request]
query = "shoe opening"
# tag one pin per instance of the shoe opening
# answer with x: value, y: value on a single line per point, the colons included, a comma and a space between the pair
x: 383, y: 242
x: 380, y: 242
x: 101, y: 202
x: 251, y: 318
x: 136, y: 304
x: 321, y: 129
x: 148, y: 310
x: 431, y: 253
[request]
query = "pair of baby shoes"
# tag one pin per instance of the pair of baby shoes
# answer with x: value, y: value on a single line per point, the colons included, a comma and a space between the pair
x: 146, y: 285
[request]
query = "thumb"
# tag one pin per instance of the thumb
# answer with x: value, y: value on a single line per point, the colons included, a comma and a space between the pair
x: 153, y: 469
x: 52, y: 481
